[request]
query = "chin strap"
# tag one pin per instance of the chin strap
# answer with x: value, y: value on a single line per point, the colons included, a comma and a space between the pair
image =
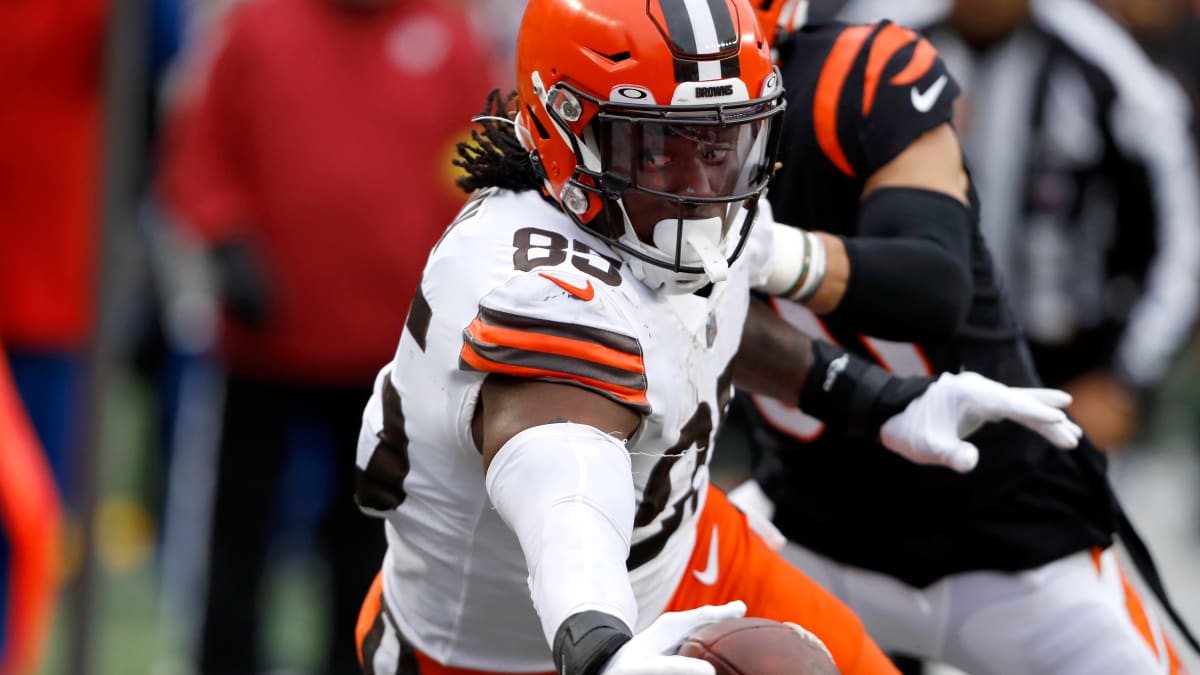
x: 714, y: 264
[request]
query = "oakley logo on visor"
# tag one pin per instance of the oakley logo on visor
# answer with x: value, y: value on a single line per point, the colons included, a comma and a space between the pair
x: 630, y: 94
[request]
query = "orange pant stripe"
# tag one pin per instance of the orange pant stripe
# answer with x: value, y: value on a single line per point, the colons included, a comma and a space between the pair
x: 750, y: 571
x: 369, y: 614
x: 1141, y: 620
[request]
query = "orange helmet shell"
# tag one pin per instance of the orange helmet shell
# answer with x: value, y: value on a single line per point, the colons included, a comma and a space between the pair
x: 626, y: 51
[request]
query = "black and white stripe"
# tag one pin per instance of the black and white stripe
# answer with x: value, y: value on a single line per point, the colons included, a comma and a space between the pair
x: 1150, y: 123
x: 1077, y: 78
x: 700, y: 30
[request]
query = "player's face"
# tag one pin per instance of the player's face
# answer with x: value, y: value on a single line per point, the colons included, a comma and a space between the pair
x: 987, y: 21
x: 668, y: 162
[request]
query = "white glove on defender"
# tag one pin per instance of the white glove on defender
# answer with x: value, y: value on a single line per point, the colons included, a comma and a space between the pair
x: 651, y: 652
x: 931, y: 428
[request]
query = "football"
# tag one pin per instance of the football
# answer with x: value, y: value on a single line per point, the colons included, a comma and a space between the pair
x: 751, y: 646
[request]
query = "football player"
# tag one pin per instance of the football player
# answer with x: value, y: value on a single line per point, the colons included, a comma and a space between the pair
x: 1008, y: 569
x: 539, y: 446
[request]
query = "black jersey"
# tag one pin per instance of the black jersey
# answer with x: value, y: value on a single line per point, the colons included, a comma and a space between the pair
x: 858, y: 95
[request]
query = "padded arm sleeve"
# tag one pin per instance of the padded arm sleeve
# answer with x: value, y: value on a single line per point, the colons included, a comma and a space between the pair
x: 910, y: 266
x: 566, y: 490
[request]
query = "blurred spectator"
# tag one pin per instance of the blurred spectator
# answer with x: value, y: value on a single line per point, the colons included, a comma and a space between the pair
x: 1169, y: 30
x: 50, y: 135
x: 310, y: 149
x: 1085, y: 163
x: 823, y: 9
x: 29, y: 536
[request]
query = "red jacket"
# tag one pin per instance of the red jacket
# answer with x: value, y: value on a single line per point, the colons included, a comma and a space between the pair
x: 50, y: 96
x: 324, y: 135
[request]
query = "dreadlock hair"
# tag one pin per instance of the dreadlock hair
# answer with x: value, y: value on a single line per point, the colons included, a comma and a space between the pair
x: 495, y: 158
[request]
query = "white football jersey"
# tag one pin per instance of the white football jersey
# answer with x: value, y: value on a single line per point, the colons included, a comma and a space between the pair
x: 515, y: 287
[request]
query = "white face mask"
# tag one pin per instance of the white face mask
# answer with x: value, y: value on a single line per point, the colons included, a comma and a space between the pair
x: 703, y: 247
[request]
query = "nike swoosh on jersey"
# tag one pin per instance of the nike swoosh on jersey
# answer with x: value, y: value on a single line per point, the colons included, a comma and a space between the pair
x: 923, y: 101
x: 584, y: 293
x: 709, y: 576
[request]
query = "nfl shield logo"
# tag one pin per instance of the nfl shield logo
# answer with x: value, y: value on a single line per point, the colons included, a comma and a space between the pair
x: 710, y: 330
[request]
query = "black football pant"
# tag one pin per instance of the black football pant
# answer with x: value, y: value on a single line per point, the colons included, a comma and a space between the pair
x: 259, y: 416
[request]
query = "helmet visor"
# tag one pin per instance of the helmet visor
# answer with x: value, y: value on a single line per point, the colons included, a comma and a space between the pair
x: 678, y: 167
x: 685, y: 156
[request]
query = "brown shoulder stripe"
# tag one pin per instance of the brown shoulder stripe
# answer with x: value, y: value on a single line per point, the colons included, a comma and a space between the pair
x: 516, y: 345
x: 572, y: 331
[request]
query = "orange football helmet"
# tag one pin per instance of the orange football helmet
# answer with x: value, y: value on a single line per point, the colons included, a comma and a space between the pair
x: 654, y: 123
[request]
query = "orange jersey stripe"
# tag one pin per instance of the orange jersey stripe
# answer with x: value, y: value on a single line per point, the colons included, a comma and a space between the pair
x: 829, y: 91
x: 889, y: 41
x: 552, y: 344
x: 624, y: 394
x: 923, y: 57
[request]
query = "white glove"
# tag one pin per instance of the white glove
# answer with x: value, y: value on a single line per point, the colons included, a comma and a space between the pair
x: 651, y: 652
x: 930, y: 430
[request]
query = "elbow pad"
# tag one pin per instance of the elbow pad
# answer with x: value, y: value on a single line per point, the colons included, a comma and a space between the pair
x: 566, y: 490
x: 910, y: 266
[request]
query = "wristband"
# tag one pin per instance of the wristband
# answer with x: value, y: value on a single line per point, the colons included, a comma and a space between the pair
x: 847, y: 392
x: 814, y: 274
x: 586, y: 641
x: 812, y: 270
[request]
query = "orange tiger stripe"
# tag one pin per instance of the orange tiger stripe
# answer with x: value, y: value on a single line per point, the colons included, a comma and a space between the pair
x: 553, y: 344
x: 829, y: 92
x: 889, y: 41
x: 625, y: 394
x: 923, y: 57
